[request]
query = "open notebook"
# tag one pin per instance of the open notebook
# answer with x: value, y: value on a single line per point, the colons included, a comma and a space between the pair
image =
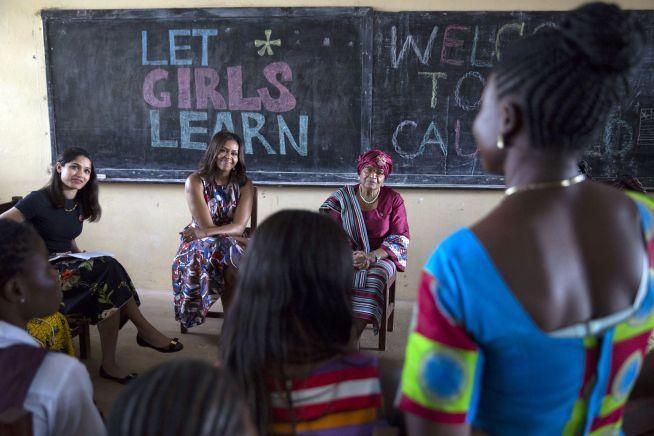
x: 86, y: 255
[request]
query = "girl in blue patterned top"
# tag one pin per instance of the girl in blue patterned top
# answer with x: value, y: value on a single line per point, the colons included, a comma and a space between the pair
x: 535, y: 319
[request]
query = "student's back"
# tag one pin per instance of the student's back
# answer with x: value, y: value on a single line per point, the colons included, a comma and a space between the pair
x: 570, y: 255
x: 536, y: 319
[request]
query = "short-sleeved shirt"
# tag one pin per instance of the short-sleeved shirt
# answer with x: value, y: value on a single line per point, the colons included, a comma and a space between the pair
x: 60, y: 397
x: 57, y: 226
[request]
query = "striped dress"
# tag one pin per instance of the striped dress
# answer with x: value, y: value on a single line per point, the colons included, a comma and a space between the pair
x: 340, y: 397
x: 384, y: 227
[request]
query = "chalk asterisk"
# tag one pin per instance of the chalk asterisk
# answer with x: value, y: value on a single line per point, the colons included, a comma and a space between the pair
x: 267, y: 44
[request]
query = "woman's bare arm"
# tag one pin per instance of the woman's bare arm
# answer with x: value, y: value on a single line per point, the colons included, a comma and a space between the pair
x: 13, y: 214
x: 200, y: 211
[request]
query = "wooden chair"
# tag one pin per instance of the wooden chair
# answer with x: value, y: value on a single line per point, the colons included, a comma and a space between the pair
x: 78, y: 326
x: 16, y: 422
x: 388, y: 313
x: 248, y: 233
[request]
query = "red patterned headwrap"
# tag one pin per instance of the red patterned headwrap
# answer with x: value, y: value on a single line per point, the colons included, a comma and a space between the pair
x: 377, y: 159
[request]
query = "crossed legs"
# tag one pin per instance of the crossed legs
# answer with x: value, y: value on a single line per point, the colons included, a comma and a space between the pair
x: 108, y: 330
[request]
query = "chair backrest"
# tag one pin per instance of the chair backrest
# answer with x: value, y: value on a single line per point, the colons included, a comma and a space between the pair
x: 4, y: 207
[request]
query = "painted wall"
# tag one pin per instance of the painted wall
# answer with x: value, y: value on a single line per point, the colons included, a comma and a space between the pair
x: 140, y: 221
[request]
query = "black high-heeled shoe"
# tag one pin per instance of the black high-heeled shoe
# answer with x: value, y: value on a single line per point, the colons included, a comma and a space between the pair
x: 121, y: 380
x: 173, y: 347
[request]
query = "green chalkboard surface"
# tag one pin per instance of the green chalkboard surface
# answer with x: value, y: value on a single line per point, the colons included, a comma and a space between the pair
x: 429, y: 72
x: 307, y: 88
x: 144, y: 90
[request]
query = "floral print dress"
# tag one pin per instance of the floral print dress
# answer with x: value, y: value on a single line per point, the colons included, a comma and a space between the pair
x: 198, y: 267
x: 94, y: 288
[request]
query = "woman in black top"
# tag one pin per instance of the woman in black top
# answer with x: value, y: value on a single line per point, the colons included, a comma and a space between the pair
x: 98, y: 289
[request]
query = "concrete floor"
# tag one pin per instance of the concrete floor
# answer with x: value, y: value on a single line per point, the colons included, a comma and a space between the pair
x: 201, y: 342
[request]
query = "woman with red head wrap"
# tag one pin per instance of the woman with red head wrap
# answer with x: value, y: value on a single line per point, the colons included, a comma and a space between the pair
x: 374, y: 218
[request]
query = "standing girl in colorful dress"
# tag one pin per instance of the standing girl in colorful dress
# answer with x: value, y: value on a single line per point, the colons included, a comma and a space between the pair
x: 535, y: 320
x: 219, y: 197
x: 98, y: 289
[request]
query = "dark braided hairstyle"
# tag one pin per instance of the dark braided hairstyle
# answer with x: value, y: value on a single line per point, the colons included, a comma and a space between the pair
x: 571, y: 77
x: 182, y: 397
x: 17, y: 244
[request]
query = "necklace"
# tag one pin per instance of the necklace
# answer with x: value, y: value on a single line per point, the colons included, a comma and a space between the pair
x: 369, y: 201
x: 71, y: 209
x: 544, y: 185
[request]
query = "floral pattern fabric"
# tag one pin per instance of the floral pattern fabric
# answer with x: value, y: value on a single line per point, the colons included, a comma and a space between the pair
x: 94, y: 288
x: 198, y: 268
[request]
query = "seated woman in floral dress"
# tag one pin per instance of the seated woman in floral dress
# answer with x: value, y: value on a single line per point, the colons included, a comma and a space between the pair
x: 219, y: 197
x: 98, y: 289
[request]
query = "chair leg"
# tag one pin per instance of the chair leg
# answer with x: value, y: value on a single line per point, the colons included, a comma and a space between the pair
x: 84, y: 341
x: 391, y: 303
x: 382, y: 326
x: 382, y: 336
x: 182, y: 328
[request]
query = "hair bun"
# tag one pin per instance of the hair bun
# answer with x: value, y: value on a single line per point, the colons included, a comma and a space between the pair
x: 609, y: 38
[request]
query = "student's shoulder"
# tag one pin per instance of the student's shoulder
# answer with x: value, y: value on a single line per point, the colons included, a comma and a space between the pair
x: 394, y: 196
x: 194, y: 180
x: 60, y: 372
x: 40, y: 196
x: 34, y: 200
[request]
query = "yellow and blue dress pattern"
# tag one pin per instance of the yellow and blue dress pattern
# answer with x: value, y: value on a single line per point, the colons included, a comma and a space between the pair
x: 52, y: 332
x: 475, y: 356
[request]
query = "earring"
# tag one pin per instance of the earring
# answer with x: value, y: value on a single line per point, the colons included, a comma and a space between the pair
x: 500, y: 142
x: 22, y: 300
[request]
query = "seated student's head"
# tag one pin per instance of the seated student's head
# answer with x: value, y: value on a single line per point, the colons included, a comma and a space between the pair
x: 182, y: 397
x: 292, y: 302
x: 29, y: 286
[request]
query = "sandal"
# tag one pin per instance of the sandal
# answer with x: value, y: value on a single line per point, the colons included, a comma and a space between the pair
x: 121, y: 380
x: 173, y: 347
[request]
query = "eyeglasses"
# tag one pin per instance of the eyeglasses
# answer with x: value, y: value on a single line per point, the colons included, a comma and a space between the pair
x: 372, y: 170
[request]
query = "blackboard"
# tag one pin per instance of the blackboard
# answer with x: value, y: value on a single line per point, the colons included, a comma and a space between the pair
x: 429, y: 71
x: 307, y: 88
x: 143, y: 90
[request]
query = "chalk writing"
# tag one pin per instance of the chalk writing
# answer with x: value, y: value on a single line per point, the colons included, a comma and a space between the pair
x: 198, y: 88
x: 266, y: 46
x: 434, y: 85
x: 410, y: 42
x: 646, y: 127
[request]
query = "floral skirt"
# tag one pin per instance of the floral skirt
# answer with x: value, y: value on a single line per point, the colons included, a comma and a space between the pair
x: 93, y: 288
x: 198, y: 275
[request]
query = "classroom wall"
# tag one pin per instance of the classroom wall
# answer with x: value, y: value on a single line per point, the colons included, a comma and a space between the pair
x: 140, y: 221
